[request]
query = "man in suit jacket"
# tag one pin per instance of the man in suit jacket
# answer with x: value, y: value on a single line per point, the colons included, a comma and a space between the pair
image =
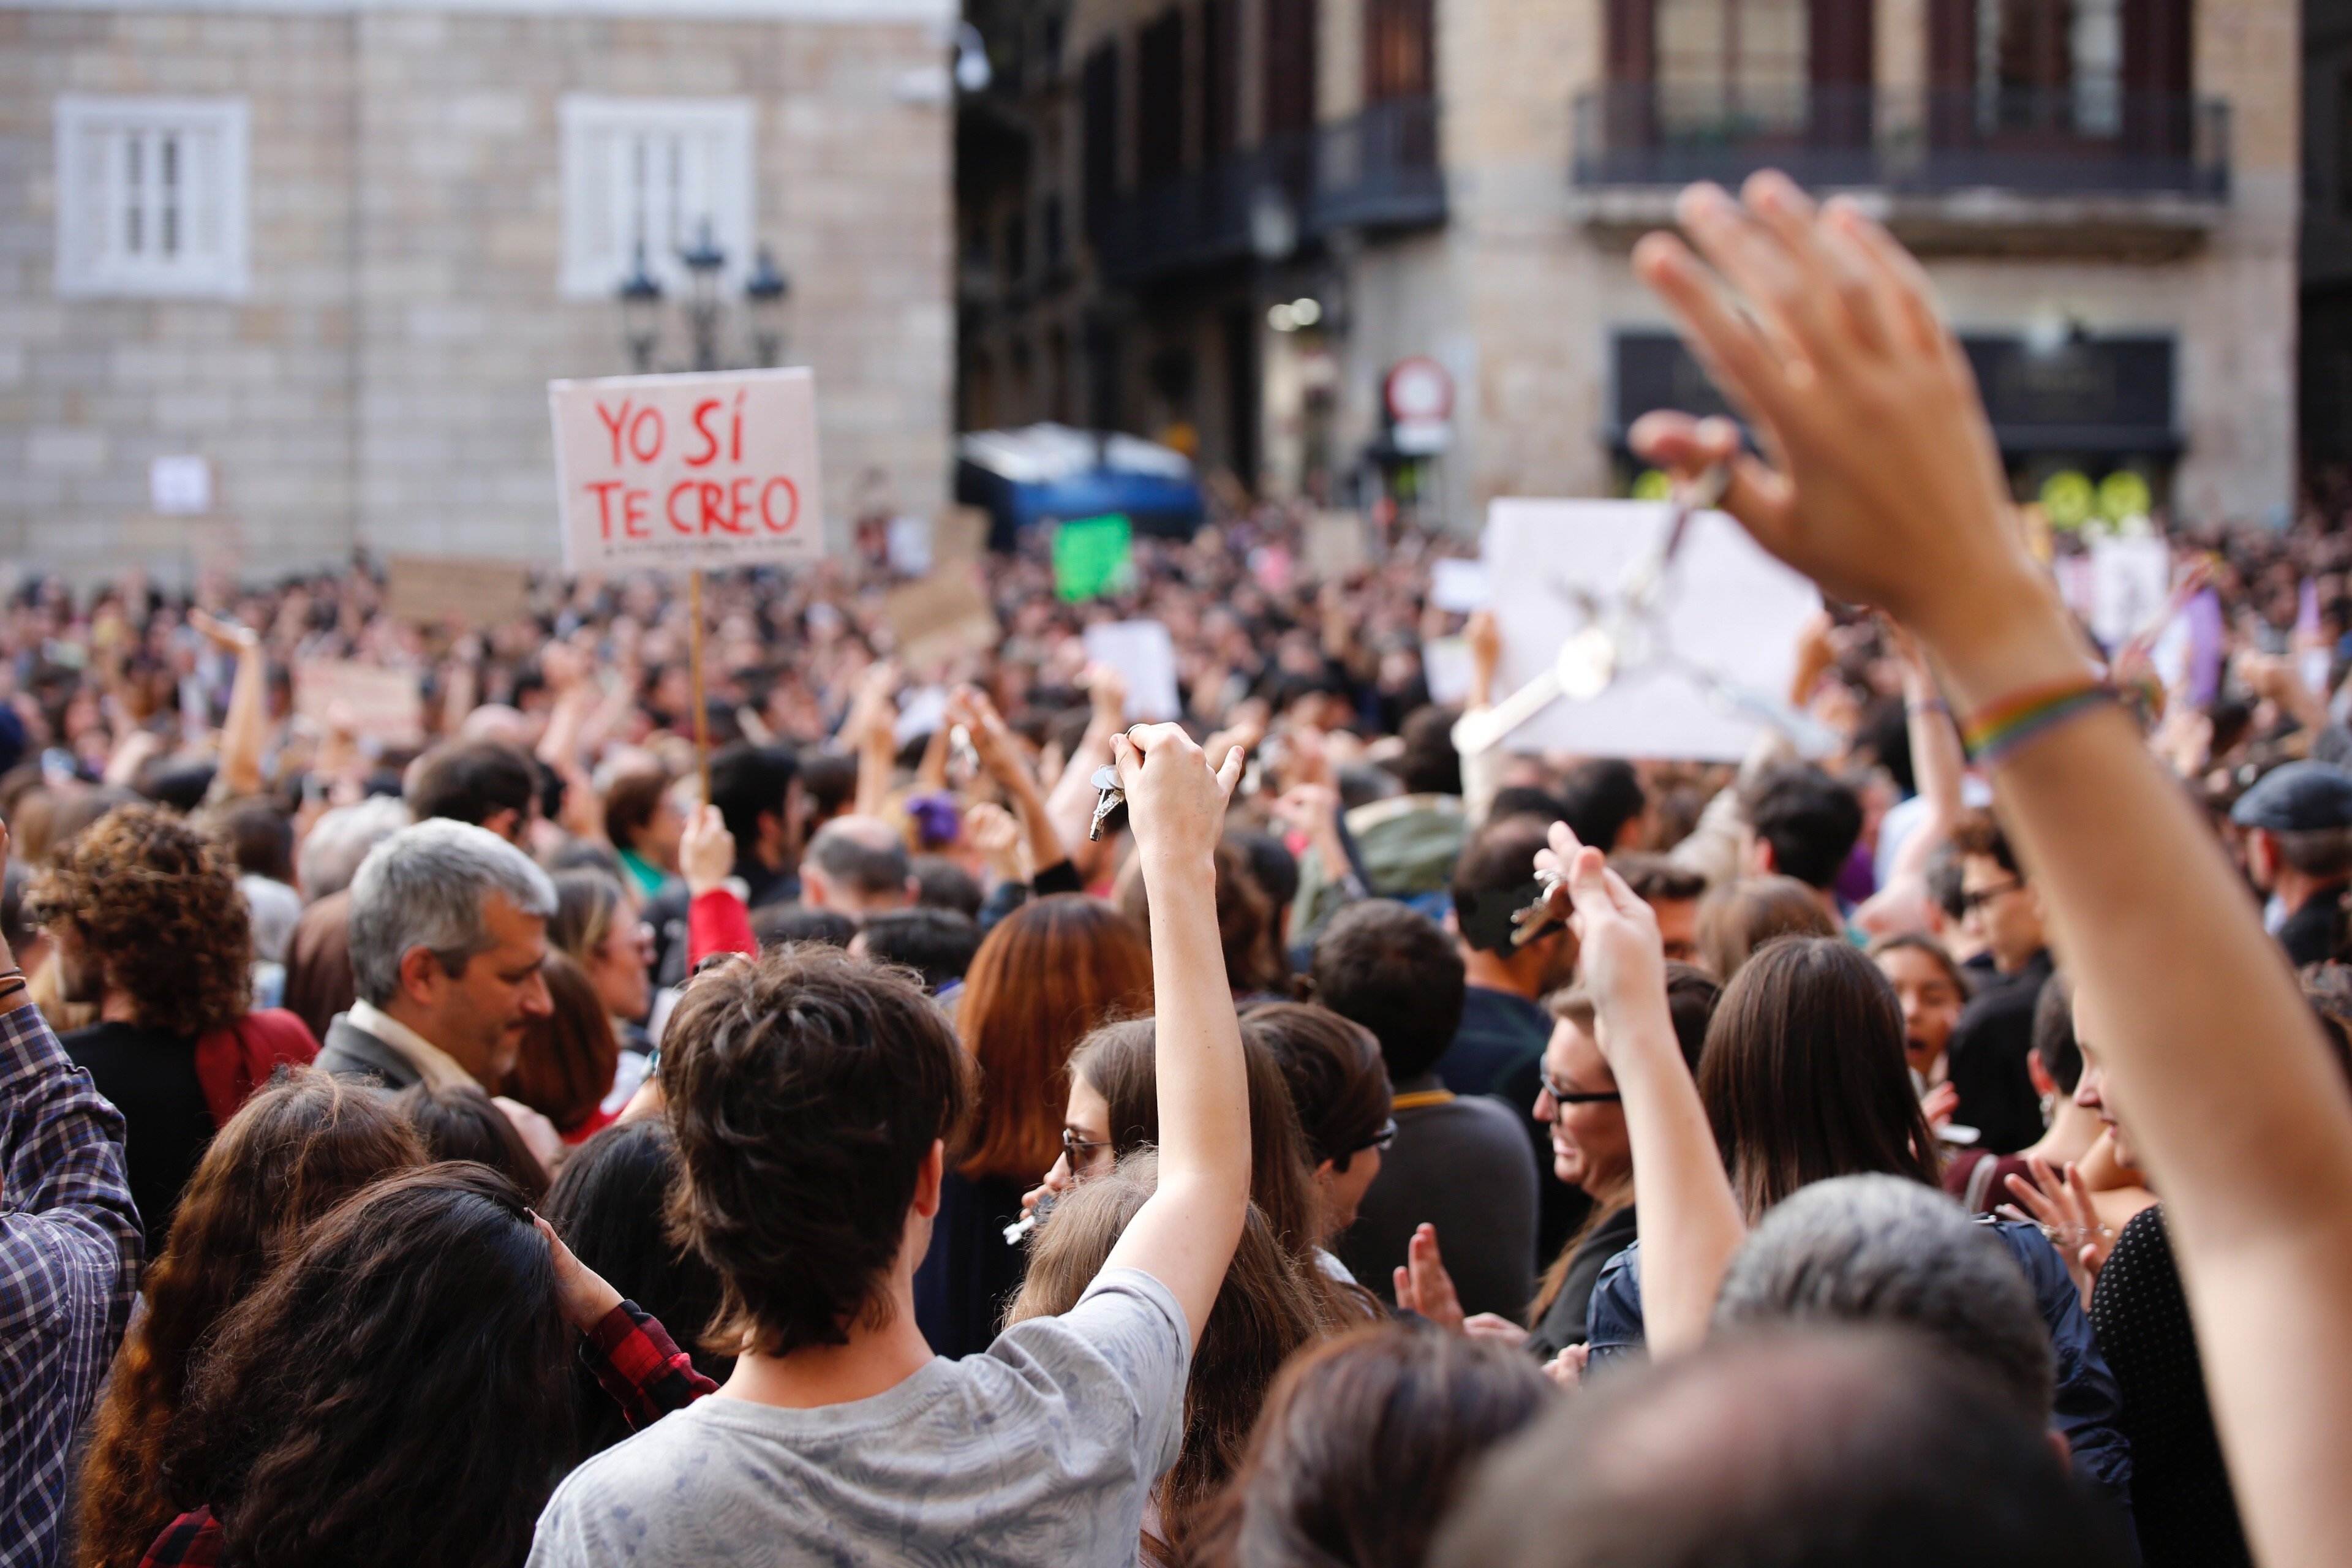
x: 449, y: 929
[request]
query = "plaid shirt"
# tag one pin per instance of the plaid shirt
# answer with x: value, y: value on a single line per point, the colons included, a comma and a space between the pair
x: 631, y: 1354
x: 70, y: 1250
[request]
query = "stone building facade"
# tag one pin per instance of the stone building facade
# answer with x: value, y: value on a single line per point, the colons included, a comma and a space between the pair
x: 327, y: 253
x: 1279, y: 202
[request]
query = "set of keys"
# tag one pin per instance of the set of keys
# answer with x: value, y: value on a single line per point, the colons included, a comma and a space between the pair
x: 1110, y: 801
x: 1538, y: 919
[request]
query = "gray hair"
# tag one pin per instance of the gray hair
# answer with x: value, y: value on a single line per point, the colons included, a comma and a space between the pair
x: 340, y: 839
x: 424, y: 887
x: 1882, y: 1249
x: 276, y: 909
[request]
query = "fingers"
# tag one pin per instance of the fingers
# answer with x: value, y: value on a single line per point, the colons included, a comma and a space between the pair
x: 1742, y: 363
x: 1230, y: 775
x: 1402, y: 1284
x: 1834, y: 308
x: 1905, y: 300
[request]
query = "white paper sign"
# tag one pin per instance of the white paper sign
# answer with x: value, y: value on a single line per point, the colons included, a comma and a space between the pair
x: 180, y: 486
x: 921, y: 712
x: 1145, y: 656
x: 1727, y: 608
x: 1459, y: 585
x: 909, y: 546
x: 2131, y: 583
x: 688, y: 470
x: 1445, y: 668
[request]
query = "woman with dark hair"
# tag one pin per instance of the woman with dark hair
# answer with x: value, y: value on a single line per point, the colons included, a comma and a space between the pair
x: 1267, y: 1308
x: 597, y: 926
x: 1737, y: 917
x: 1256, y: 967
x: 564, y: 1067
x: 610, y: 1206
x: 395, y: 1393
x: 1804, y: 1077
x: 1339, y: 1092
x: 295, y: 1150
x: 1363, y: 1443
x: 460, y: 1123
x: 1048, y: 972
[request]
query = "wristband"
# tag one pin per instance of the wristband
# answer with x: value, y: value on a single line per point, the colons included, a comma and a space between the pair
x: 1995, y: 732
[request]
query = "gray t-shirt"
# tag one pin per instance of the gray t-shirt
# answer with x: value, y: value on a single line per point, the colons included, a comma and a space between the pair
x: 1039, y: 1450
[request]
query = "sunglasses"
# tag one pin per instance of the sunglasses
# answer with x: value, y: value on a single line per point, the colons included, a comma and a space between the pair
x: 1381, y: 1139
x: 1077, y: 1150
x: 1563, y: 1095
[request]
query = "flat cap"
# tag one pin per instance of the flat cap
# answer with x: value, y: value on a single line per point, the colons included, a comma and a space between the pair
x: 2300, y: 797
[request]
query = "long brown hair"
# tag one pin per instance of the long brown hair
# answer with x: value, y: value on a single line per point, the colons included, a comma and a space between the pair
x: 1364, y: 1443
x: 1267, y: 1308
x: 1245, y: 920
x: 566, y: 1066
x: 1050, y: 971
x: 1804, y: 1078
x: 294, y: 1151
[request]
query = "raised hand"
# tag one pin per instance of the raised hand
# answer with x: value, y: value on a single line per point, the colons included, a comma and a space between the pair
x: 1424, y: 1285
x: 1622, y: 959
x: 1175, y: 804
x: 993, y: 834
x: 705, y: 850
x: 2062, y: 1208
x: 582, y: 1294
x: 1839, y: 336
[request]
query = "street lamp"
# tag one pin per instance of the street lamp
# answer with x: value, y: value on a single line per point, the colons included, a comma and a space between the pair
x: 764, y: 292
x: 703, y: 261
x: 641, y: 297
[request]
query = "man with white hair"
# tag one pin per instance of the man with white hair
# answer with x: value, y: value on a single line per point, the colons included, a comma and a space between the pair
x: 449, y: 929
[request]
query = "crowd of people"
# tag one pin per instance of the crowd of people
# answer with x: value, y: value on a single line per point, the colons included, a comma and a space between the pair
x: 952, y: 1123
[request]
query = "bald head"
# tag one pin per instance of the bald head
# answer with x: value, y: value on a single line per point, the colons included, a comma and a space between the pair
x: 857, y: 866
x: 1849, y: 1449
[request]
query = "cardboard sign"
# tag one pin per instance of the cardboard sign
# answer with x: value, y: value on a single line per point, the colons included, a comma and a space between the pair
x: 1336, y: 547
x: 458, y: 591
x: 1093, y: 556
x: 1727, y: 608
x: 2131, y: 585
x: 374, y: 703
x: 941, y: 617
x: 1446, y: 668
x: 1460, y: 586
x: 1145, y: 656
x: 688, y: 470
x: 959, y: 533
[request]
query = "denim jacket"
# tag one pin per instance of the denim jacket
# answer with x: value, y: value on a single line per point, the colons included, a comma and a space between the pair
x: 2089, y: 1398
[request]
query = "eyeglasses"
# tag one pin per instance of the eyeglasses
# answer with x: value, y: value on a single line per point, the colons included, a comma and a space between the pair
x: 1972, y: 902
x: 1381, y: 1139
x: 1563, y: 1095
x: 1078, y: 1151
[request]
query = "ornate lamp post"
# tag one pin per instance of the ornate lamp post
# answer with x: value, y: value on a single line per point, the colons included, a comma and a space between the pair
x: 640, y: 296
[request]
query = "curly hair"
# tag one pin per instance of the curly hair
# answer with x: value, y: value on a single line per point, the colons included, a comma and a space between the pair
x: 293, y: 1152
x: 411, y: 1349
x: 156, y: 903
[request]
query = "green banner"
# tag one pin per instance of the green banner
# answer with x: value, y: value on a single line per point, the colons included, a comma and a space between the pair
x: 1093, y: 556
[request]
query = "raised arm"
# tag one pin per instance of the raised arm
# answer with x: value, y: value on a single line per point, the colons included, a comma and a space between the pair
x: 1185, y: 1233
x: 2243, y: 1119
x: 244, y: 728
x: 1002, y: 762
x: 1690, y: 1221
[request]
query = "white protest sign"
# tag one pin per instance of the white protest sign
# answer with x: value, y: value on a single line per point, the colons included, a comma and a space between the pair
x: 1145, y: 657
x: 909, y: 545
x: 1445, y: 668
x: 2131, y: 583
x: 688, y: 470
x: 1726, y: 608
x: 1459, y: 585
x: 921, y: 712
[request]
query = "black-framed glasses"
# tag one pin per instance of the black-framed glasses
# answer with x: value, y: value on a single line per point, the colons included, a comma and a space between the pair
x: 1972, y: 902
x: 1563, y: 1095
x: 1077, y: 1150
x: 1381, y: 1139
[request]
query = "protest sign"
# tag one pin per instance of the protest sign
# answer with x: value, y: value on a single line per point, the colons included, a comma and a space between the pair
x: 688, y: 470
x: 460, y: 590
x: 1145, y: 657
x: 921, y: 710
x: 1093, y: 556
x: 373, y: 703
x: 1459, y: 585
x: 1335, y: 545
x: 959, y: 533
x: 907, y: 545
x: 944, y: 615
x: 1727, y: 608
x: 1445, y: 670
x: 2131, y: 586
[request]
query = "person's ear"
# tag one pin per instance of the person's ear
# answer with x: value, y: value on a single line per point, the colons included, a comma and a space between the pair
x: 420, y: 975
x: 2043, y: 1082
x: 507, y: 824
x: 814, y: 893
x: 1760, y: 859
x: 928, y: 1179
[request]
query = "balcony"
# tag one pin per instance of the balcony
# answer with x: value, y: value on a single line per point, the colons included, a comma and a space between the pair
x: 2038, y: 169
x: 1377, y: 171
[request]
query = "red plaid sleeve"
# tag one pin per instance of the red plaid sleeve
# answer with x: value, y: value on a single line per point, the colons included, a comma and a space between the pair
x: 190, y: 1541
x: 641, y: 1366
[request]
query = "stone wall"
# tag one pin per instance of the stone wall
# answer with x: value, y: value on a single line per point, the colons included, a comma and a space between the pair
x: 383, y: 384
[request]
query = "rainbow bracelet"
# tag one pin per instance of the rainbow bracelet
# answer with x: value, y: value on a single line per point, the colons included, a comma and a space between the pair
x: 1995, y: 732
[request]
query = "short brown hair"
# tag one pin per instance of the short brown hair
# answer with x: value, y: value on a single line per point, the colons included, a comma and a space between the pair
x: 805, y: 1088
x: 1655, y: 878
x: 630, y: 802
x: 1740, y: 917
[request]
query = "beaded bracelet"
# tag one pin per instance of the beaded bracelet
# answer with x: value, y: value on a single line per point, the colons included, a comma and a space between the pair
x: 1995, y: 732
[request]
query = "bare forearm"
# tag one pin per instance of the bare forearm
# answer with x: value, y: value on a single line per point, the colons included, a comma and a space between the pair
x: 1690, y: 1222
x: 1204, y: 1096
x: 242, y: 729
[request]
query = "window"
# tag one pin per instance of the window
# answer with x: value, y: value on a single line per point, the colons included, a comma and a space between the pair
x: 1290, y: 66
x: 653, y: 177
x: 1398, y: 50
x: 151, y: 196
x: 1740, y: 63
x: 1160, y: 100
x: 2048, y: 64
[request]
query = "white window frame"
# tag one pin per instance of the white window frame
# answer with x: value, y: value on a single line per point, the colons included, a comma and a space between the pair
x: 605, y: 142
x: 95, y: 256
